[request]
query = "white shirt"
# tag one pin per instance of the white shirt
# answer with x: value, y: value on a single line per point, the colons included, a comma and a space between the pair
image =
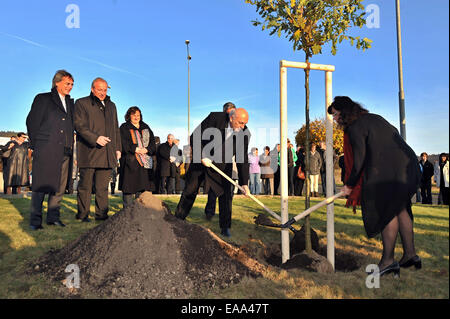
x: 63, y: 100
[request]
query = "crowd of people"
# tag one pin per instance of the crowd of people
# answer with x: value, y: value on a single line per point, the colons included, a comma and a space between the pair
x: 79, y: 145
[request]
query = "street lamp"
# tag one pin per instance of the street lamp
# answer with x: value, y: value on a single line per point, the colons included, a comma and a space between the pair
x: 401, y: 93
x: 188, y: 59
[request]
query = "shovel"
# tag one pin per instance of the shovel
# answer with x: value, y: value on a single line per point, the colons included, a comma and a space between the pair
x: 263, y: 220
x: 208, y: 163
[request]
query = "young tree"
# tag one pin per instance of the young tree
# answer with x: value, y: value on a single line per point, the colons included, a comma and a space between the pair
x: 309, y: 25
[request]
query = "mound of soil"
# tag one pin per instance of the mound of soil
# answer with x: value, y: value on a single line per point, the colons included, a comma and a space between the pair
x: 145, y: 252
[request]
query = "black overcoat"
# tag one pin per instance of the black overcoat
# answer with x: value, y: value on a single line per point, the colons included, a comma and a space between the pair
x: 133, y: 177
x: 165, y: 151
x: 17, y: 171
x: 204, y: 145
x: 91, y: 120
x: 391, y: 173
x: 50, y: 130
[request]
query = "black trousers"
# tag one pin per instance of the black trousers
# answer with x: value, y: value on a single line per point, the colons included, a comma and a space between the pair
x: 167, y: 185
x: 290, y: 180
x: 445, y: 191
x: 99, y: 178
x: 425, y: 190
x: 210, y: 208
x: 54, y: 199
x: 194, y: 177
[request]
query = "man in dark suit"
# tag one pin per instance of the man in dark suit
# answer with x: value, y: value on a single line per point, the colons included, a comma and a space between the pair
x: 167, y: 168
x: 99, y: 148
x: 210, y: 207
x: 425, y: 183
x: 50, y: 130
x: 219, y: 137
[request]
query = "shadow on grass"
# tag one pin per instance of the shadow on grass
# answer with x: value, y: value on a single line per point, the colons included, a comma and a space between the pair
x: 351, y: 225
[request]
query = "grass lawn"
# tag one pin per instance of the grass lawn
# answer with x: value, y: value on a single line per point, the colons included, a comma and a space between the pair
x: 19, y: 247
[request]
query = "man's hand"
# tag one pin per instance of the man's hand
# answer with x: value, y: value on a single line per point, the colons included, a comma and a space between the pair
x: 246, y: 189
x: 347, y: 190
x: 206, y: 162
x: 118, y: 155
x: 172, y: 159
x: 103, y: 140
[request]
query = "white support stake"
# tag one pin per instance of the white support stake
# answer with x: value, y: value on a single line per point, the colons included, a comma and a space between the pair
x: 283, y: 164
x: 329, y: 167
x: 328, y: 69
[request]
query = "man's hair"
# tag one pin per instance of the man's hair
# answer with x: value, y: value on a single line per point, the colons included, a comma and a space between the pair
x: 424, y: 153
x: 132, y: 110
x: 98, y: 79
x: 20, y: 134
x: 228, y: 106
x: 59, y: 76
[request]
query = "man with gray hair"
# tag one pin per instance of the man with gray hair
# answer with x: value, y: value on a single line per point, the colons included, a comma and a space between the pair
x: 99, y: 148
x: 50, y: 130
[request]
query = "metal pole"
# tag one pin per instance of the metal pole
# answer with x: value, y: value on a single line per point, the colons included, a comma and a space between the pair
x: 283, y: 164
x: 329, y: 167
x: 189, y: 89
x: 401, y: 94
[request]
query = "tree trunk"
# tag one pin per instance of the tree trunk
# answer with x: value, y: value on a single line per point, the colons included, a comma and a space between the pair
x: 307, y: 224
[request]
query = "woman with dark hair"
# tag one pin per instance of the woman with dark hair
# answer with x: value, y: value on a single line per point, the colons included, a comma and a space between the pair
x: 381, y: 175
x: 442, y: 178
x: 138, y: 145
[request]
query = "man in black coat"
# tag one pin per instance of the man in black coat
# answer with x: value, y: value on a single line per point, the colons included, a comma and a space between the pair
x: 167, y: 168
x: 425, y: 183
x: 99, y: 148
x: 50, y: 130
x: 210, y: 207
x: 219, y: 137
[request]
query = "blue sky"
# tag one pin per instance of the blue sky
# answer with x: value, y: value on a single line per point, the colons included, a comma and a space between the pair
x: 139, y: 48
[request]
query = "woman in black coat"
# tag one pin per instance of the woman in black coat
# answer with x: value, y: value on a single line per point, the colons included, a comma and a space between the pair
x: 138, y: 145
x: 382, y: 174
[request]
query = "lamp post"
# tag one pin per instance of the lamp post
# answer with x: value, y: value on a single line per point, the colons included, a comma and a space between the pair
x: 401, y: 93
x: 189, y: 84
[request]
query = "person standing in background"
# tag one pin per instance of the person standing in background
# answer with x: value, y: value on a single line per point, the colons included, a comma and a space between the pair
x: 425, y: 183
x: 255, y: 172
x: 266, y: 171
x: 314, y: 170
x: 99, y: 148
x: 138, y: 144
x: 50, y: 128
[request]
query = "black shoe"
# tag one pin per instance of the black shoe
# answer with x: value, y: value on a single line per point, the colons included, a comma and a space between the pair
x: 101, y: 218
x: 57, y: 223
x: 225, y: 232
x: 392, y: 268
x: 414, y: 261
x: 84, y: 220
x: 209, y: 216
x: 36, y: 227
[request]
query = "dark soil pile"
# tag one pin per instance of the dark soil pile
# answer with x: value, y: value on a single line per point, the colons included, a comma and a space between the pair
x: 145, y: 252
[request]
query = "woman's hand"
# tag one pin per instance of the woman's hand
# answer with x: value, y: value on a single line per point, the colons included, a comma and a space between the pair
x: 347, y: 190
x: 141, y: 150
